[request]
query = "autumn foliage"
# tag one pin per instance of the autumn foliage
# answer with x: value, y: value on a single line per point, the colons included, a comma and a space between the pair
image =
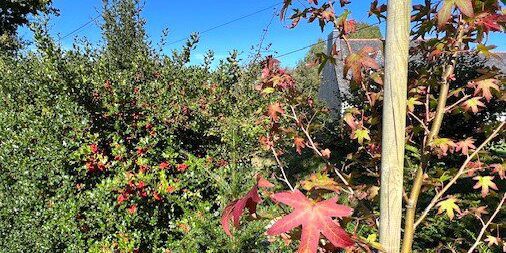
x: 442, y: 154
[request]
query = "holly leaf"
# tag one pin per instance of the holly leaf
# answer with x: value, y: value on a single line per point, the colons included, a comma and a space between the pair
x: 485, y: 183
x: 274, y: 110
x: 449, y: 207
x: 473, y: 104
x: 360, y: 134
x: 465, y: 145
x: 315, y: 219
x: 485, y: 87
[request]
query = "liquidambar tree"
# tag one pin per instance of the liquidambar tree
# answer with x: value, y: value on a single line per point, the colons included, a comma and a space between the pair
x: 452, y: 107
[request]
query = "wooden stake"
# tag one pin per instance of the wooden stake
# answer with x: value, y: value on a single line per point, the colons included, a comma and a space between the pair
x: 394, y: 123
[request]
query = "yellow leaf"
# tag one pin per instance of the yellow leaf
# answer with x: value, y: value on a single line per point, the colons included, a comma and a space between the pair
x: 449, y: 207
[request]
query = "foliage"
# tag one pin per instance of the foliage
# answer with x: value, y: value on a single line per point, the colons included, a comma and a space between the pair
x: 119, y: 148
x: 14, y: 13
x: 107, y: 149
x: 447, y: 84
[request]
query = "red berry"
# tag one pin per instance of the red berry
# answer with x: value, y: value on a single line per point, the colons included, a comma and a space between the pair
x: 94, y: 148
x: 164, y: 165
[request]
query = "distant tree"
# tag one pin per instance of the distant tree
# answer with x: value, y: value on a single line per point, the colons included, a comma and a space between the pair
x: 306, y: 74
x: 14, y: 13
x: 366, y: 31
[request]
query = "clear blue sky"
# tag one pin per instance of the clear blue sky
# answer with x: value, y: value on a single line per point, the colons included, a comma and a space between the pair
x: 184, y: 17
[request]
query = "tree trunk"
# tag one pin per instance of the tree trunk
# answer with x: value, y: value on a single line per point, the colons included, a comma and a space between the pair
x: 394, y: 123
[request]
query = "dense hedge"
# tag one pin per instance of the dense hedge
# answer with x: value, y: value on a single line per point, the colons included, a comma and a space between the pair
x: 123, y: 150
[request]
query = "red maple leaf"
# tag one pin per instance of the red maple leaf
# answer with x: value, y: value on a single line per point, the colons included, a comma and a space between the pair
x: 299, y: 143
x: 485, y: 87
x: 274, y: 110
x: 234, y: 209
x: 315, y: 218
x: 357, y: 61
x: 491, y: 22
x: 465, y: 146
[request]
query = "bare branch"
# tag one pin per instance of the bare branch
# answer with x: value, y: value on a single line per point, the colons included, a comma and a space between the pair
x: 484, y: 228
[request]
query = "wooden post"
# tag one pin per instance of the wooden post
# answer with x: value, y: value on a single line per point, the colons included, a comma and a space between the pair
x: 394, y: 123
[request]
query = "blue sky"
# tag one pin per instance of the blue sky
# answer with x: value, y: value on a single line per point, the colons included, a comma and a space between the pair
x: 184, y: 17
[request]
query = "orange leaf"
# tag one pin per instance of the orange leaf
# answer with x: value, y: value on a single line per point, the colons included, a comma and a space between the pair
x: 299, y: 143
x: 274, y: 110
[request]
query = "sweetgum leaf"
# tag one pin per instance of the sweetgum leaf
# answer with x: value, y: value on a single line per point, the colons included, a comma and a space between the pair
x: 315, y: 219
x: 485, y: 183
x: 448, y: 206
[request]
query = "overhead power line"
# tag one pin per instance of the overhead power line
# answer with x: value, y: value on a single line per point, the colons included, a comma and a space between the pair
x: 229, y: 22
x: 80, y: 27
x: 322, y: 41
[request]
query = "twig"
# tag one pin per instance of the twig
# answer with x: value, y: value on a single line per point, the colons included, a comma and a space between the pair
x: 450, y: 107
x: 460, y: 172
x: 312, y: 145
x: 421, y: 122
x: 484, y: 228
x: 285, y: 178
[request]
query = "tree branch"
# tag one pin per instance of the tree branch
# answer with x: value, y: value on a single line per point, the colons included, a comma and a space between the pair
x: 484, y: 228
x: 460, y: 172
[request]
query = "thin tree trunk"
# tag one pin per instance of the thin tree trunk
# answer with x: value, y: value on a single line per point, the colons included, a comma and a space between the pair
x: 394, y: 123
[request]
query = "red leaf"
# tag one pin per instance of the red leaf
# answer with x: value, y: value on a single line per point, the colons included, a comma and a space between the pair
x: 485, y: 87
x: 315, y: 218
x: 164, y: 165
x: 274, y: 110
x: 357, y: 61
x: 132, y: 209
x: 299, y: 143
x: 234, y: 210
x: 263, y: 183
x: 94, y: 148
x: 491, y: 22
x: 465, y: 146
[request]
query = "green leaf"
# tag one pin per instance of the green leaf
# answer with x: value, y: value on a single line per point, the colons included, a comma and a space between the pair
x: 361, y: 134
x: 448, y: 206
x: 268, y: 90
